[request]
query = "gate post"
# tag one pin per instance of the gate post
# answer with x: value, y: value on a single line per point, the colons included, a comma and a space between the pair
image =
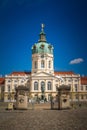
x: 22, y: 98
x: 63, y: 97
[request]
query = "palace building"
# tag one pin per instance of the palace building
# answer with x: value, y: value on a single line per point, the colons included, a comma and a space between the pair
x: 43, y: 80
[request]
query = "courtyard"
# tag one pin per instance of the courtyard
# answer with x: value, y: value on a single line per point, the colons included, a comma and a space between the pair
x: 43, y: 118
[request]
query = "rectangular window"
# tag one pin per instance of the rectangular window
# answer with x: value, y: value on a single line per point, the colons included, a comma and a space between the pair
x: 22, y: 81
x: 69, y: 85
x: 76, y: 96
x: 76, y: 87
x: 85, y: 87
x: 9, y: 97
x: 81, y: 87
x: 9, y: 81
x: 69, y: 80
x: 81, y: 96
x: 35, y: 64
x: 56, y: 87
x: 15, y: 86
x: 86, y: 96
x: 8, y: 88
x: 49, y: 64
x: 35, y: 85
x: 76, y: 80
x: 56, y: 80
x: 15, y: 81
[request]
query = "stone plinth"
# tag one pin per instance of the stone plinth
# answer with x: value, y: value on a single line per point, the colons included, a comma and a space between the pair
x: 10, y: 106
x: 22, y: 98
x: 63, y: 97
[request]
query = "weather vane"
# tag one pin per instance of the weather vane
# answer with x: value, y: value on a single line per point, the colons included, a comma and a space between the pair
x: 42, y: 25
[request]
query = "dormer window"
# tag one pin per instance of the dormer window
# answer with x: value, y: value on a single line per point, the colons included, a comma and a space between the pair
x: 34, y: 47
x: 42, y: 46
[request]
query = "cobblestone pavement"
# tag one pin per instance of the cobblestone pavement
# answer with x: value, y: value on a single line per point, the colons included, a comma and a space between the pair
x: 39, y: 119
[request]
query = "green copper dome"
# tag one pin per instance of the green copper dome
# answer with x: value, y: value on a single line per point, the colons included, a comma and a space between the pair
x: 42, y: 46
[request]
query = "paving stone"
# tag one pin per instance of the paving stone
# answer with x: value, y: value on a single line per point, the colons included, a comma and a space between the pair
x: 43, y: 119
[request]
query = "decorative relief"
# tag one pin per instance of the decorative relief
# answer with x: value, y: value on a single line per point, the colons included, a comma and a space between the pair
x: 21, y: 100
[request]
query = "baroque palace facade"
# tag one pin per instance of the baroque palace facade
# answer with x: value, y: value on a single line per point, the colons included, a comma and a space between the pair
x: 43, y: 76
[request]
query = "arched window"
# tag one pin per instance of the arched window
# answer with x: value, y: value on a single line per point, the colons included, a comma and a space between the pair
x: 49, y: 64
x: 35, y: 85
x: 42, y: 64
x: 49, y: 86
x: 35, y: 64
x: 42, y: 86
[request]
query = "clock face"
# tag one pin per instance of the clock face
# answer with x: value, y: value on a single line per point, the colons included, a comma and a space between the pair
x: 42, y: 56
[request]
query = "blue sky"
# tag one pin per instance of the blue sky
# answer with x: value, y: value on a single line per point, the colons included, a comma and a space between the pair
x: 65, y: 27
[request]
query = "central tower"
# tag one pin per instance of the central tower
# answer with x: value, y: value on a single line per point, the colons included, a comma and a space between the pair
x: 42, y: 55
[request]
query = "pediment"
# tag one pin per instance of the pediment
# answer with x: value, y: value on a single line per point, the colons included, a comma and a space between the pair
x: 44, y: 74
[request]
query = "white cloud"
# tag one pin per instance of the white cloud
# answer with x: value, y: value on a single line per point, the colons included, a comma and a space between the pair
x: 76, y: 61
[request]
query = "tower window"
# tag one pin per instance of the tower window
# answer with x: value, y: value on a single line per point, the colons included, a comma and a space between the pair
x: 42, y: 64
x: 35, y: 64
x: 49, y: 85
x: 49, y: 64
x: 35, y: 85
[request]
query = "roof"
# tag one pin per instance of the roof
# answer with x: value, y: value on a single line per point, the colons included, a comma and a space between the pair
x: 84, y: 80
x: 20, y: 73
x: 64, y: 73
x: 42, y: 47
x: 56, y: 73
x: 2, y: 80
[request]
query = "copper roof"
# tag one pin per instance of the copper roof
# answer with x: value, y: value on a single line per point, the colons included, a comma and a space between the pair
x: 20, y: 73
x: 2, y: 80
x: 84, y: 80
x: 64, y: 73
